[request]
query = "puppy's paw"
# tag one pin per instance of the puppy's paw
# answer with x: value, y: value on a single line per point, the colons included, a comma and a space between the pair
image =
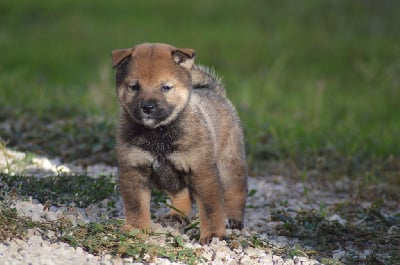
x: 234, y: 224
x: 206, y: 239
x: 176, y: 218
x: 131, y: 229
x: 127, y: 228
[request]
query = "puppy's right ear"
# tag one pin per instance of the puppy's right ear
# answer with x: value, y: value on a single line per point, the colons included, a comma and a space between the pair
x: 119, y: 55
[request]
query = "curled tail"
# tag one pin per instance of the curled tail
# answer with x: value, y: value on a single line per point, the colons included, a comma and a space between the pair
x: 206, y: 78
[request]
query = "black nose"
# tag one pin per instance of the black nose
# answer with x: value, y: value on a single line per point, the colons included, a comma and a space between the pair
x: 148, y: 107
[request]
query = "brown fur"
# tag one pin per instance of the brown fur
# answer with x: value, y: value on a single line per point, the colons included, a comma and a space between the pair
x: 179, y: 133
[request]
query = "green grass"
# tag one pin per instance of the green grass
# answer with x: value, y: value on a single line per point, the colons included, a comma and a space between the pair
x: 61, y: 190
x: 309, y: 78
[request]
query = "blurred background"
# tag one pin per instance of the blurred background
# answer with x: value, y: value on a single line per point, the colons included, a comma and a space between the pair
x: 316, y: 82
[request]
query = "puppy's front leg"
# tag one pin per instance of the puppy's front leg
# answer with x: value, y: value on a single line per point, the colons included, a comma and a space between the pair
x: 207, y: 191
x: 136, y: 195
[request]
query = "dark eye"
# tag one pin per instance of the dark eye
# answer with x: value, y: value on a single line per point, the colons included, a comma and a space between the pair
x: 134, y: 87
x: 166, y: 88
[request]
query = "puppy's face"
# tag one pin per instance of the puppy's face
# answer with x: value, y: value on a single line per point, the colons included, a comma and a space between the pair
x: 153, y: 82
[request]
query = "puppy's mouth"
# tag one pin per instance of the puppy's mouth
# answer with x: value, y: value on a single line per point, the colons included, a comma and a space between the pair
x: 149, y: 122
x: 151, y: 117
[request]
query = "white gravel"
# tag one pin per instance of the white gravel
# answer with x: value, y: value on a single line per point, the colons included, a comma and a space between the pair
x: 272, y: 190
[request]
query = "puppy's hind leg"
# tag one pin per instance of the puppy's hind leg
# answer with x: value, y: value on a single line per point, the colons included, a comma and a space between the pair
x: 181, y: 203
x: 234, y: 180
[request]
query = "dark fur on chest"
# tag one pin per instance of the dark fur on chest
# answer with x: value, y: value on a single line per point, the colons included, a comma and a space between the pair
x: 165, y: 176
x: 160, y: 142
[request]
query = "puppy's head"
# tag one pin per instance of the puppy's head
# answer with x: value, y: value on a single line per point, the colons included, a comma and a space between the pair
x: 153, y: 81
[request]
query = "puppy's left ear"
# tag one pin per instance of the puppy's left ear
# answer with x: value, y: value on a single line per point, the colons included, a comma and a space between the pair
x: 119, y: 55
x: 184, y: 57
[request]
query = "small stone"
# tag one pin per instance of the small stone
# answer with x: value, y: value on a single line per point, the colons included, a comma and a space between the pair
x: 79, y: 250
x: 199, y: 251
x: 117, y: 261
x: 255, y: 253
x: 51, y: 235
x: 300, y: 259
x: 282, y: 239
x: 338, y: 254
x: 221, y: 253
x: 106, y: 262
x: 45, y: 260
x: 393, y: 229
x: 214, y: 241
x: 72, y: 219
x: 17, y: 241
x: 208, y: 255
x: 163, y: 262
x: 50, y: 216
x: 338, y: 219
x: 267, y: 259
x: 291, y: 262
x: 36, y: 216
x: 35, y: 241
x: 246, y: 260
x: 365, y: 254
x: 217, y: 262
x: 235, y: 244
x: 274, y: 224
x: 157, y: 227
x: 53, y: 208
x: 277, y: 260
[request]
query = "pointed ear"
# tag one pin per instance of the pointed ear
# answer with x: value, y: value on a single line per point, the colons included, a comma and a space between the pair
x: 119, y: 55
x: 184, y: 57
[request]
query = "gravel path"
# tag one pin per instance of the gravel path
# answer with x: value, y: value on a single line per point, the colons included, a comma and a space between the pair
x: 45, y: 250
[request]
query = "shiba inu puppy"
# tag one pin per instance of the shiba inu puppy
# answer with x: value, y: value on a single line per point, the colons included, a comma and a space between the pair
x: 179, y: 133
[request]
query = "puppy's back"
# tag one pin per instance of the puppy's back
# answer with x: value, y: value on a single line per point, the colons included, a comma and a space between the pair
x: 209, y: 100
